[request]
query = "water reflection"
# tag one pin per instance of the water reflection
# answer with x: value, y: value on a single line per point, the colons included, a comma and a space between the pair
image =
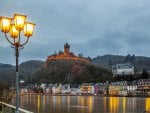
x: 90, y: 103
x: 39, y: 103
x: 147, y: 104
x: 68, y: 100
x: 124, y: 104
x: 83, y: 104
x: 113, y: 104
x: 104, y: 103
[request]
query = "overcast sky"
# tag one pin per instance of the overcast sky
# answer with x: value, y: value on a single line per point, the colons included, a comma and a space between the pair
x: 91, y: 27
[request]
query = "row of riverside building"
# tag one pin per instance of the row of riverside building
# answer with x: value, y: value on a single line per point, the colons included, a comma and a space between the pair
x: 139, y: 87
x: 124, y: 88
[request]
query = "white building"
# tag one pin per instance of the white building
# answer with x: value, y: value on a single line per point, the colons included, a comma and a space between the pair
x: 56, y: 89
x: 123, y: 69
x: 65, y: 89
x: 132, y: 88
x: 75, y: 91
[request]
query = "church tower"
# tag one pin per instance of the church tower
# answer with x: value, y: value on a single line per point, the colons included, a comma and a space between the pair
x: 66, y: 49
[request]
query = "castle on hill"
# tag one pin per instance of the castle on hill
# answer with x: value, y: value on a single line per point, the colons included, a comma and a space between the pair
x: 67, y: 55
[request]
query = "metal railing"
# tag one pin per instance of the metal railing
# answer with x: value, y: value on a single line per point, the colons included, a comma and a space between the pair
x: 11, y: 108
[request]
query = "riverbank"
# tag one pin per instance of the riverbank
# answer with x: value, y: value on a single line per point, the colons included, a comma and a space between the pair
x: 144, y: 96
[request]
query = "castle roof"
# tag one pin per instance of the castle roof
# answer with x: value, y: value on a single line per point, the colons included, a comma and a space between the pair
x: 67, y: 45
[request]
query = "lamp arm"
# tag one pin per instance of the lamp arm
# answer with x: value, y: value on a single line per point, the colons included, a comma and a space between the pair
x: 8, y: 39
x: 25, y: 42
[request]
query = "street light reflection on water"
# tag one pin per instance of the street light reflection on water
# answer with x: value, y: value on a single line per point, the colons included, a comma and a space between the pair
x: 124, y: 104
x: 113, y: 104
x: 147, y: 104
x: 39, y: 103
x: 84, y: 104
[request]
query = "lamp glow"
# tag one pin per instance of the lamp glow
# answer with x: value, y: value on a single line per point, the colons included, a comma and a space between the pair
x: 28, y: 29
x: 19, y: 21
x: 13, y: 32
x: 5, y: 24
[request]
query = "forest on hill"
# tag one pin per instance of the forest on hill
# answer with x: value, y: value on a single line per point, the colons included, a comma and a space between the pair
x: 26, y: 69
x: 139, y: 62
x: 98, y: 70
x: 70, y: 71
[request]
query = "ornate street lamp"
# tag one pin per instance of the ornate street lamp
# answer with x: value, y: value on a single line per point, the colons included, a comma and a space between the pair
x: 14, y: 26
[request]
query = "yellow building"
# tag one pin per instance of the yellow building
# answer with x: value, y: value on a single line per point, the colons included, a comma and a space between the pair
x: 118, y: 89
x: 87, y: 89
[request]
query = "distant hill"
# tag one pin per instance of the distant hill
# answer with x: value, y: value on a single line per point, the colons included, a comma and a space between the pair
x: 139, y: 62
x: 70, y: 71
x: 26, y: 69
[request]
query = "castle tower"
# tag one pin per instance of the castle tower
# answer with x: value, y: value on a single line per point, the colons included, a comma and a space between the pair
x: 66, y: 49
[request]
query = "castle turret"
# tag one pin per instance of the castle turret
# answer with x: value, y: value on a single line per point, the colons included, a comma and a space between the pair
x: 66, y: 49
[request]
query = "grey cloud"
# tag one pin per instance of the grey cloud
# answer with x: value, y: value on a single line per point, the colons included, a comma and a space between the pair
x: 93, y: 28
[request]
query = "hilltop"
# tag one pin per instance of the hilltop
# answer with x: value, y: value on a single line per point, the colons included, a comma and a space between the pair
x: 66, y: 67
x: 139, y: 62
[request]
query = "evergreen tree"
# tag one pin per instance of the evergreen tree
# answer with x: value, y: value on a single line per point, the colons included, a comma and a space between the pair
x: 133, y: 58
x: 128, y: 58
x: 144, y: 74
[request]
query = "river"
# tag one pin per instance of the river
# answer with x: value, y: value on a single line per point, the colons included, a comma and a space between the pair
x: 84, y: 104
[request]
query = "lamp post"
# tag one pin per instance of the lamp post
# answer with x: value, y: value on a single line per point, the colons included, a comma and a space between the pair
x: 14, y: 26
